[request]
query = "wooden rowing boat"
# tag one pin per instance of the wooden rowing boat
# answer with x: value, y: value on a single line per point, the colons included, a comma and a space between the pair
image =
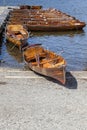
x: 45, y: 62
x: 30, y: 7
x: 17, y: 35
x: 53, y: 26
x: 49, y: 25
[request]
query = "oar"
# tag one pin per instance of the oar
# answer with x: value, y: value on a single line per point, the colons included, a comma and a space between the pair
x: 36, y: 44
x: 32, y: 45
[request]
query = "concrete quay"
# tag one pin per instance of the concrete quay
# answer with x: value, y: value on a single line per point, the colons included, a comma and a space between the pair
x: 4, y: 11
x: 32, y: 102
x: 3, y: 15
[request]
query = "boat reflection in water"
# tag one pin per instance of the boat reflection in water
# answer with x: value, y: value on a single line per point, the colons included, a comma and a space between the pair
x: 61, y: 33
x: 14, y: 52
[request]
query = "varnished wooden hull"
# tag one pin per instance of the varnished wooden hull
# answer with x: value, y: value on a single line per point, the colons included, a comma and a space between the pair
x: 18, y: 40
x: 57, y: 27
x: 47, y: 67
x: 58, y: 73
x: 51, y: 27
x: 14, y: 41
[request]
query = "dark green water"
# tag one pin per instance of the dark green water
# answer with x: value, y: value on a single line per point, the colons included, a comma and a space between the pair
x: 72, y: 43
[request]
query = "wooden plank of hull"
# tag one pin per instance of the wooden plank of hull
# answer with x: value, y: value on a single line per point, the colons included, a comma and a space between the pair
x: 16, y: 42
x: 55, y: 27
x: 50, y: 27
x: 58, y: 73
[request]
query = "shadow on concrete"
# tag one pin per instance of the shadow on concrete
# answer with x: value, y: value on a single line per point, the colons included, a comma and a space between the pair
x: 71, y: 82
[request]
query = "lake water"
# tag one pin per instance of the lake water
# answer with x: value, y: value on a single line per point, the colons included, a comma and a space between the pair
x: 72, y: 43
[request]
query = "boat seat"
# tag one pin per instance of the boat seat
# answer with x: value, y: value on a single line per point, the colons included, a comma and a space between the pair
x: 34, y: 63
x: 31, y: 57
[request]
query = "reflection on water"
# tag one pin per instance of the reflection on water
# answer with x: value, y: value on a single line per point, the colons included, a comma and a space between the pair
x: 61, y: 33
x: 10, y: 56
x: 14, y: 52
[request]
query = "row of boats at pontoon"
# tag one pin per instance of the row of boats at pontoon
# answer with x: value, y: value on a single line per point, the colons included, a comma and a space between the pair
x: 38, y: 19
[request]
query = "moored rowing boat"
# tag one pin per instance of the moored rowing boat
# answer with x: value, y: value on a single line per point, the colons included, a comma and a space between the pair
x: 17, y: 35
x: 46, y: 63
